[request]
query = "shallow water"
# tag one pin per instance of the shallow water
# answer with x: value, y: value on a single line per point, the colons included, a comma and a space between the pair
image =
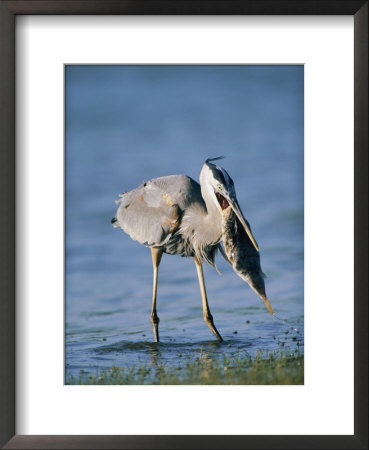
x: 126, y: 124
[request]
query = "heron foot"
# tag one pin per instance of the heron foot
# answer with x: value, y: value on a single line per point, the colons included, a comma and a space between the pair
x: 210, y: 323
x: 155, y: 326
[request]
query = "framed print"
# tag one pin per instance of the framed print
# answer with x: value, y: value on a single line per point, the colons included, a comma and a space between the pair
x: 109, y: 95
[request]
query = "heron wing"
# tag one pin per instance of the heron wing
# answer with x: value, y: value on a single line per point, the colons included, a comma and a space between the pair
x: 151, y: 213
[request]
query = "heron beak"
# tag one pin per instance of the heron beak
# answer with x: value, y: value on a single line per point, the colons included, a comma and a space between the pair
x: 236, y: 208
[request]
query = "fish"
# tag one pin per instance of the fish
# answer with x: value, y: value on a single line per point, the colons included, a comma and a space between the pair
x: 242, y: 254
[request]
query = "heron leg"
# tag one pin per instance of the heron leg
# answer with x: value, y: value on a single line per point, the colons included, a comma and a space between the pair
x: 205, y: 307
x: 156, y: 255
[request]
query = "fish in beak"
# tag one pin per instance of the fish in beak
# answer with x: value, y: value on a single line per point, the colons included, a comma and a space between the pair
x: 242, y: 251
x: 240, y: 246
x: 225, y: 200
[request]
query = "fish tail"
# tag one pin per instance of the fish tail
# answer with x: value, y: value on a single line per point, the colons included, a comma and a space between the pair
x: 267, y: 304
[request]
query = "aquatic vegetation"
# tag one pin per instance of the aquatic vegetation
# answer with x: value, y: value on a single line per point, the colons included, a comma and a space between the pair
x: 277, y: 368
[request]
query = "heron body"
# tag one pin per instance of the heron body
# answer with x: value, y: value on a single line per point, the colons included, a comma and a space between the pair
x: 178, y: 216
x: 169, y: 213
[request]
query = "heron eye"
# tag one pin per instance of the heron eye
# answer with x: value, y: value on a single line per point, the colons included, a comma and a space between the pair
x: 220, y: 187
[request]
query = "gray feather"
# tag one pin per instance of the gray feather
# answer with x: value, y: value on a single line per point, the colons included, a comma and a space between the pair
x: 151, y: 214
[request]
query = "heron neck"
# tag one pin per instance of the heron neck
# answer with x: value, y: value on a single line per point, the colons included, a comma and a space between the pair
x: 205, y: 227
x: 212, y: 224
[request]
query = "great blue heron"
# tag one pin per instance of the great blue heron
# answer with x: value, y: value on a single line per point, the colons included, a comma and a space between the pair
x: 178, y: 216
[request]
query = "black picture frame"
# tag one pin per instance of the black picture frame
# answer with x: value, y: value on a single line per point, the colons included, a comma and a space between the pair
x: 8, y: 12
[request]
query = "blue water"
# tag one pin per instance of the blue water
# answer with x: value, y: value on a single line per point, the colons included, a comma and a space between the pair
x: 126, y: 124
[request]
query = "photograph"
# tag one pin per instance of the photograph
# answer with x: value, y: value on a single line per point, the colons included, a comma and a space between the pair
x: 184, y: 224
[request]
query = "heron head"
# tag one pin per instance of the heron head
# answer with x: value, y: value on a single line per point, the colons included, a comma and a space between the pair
x: 221, y: 188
